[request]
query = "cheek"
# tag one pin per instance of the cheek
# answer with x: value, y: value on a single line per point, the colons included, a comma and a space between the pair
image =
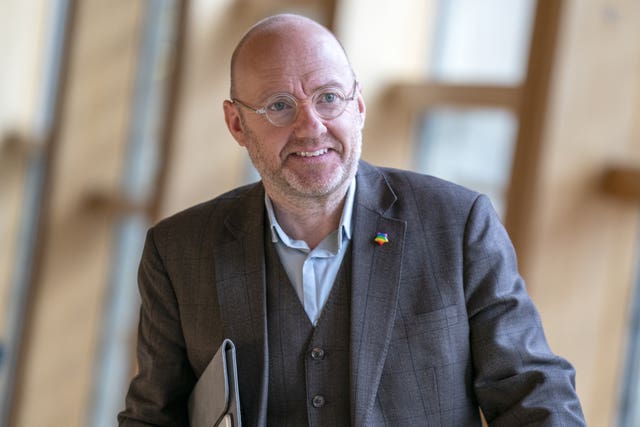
x: 348, y: 133
x: 351, y: 122
x: 273, y: 144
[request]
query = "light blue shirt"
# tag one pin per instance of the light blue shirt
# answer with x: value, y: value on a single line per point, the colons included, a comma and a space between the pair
x: 312, y: 272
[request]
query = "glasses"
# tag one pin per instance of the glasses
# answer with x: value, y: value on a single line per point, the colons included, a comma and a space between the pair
x: 281, y: 109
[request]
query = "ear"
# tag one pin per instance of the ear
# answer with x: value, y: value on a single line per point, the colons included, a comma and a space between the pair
x: 234, y: 124
x: 362, y: 109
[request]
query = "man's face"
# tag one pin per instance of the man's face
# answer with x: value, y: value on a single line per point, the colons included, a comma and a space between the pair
x: 311, y: 157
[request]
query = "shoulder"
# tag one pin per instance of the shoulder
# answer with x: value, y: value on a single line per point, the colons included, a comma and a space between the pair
x: 212, y: 212
x: 425, y: 191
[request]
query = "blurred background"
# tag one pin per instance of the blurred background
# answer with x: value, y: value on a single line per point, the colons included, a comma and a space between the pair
x: 111, y: 118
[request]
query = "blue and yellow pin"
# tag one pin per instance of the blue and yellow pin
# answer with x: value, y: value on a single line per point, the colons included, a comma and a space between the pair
x: 381, y: 238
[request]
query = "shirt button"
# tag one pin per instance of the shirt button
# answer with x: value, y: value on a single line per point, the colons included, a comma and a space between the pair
x: 317, y: 353
x: 318, y: 401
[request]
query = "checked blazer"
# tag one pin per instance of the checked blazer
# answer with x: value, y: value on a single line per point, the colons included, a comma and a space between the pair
x: 441, y: 323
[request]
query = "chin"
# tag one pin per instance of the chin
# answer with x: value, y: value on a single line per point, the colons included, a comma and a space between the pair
x: 317, y: 189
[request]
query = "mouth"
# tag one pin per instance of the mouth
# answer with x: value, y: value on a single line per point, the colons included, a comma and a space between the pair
x: 312, y: 153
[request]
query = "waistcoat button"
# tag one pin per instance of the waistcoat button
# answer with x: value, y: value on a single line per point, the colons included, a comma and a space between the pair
x: 318, y: 401
x: 317, y: 353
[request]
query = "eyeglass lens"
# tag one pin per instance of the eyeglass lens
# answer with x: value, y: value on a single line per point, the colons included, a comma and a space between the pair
x: 282, y: 109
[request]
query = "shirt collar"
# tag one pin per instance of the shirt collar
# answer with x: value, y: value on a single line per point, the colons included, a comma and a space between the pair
x: 278, y: 234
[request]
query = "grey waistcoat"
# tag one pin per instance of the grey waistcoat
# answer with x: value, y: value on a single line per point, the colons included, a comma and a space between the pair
x: 308, y: 367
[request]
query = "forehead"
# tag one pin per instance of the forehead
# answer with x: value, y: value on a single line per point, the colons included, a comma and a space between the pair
x: 295, y: 58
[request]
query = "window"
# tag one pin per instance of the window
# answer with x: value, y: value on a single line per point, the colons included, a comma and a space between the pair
x: 471, y: 147
x: 475, y: 44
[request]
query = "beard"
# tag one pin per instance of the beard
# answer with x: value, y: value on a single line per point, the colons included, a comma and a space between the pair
x: 315, y: 181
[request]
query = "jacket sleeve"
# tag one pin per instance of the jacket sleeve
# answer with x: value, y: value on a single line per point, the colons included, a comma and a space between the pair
x: 517, y: 379
x: 159, y: 392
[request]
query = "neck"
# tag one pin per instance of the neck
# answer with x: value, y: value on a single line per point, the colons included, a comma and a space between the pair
x: 310, y: 219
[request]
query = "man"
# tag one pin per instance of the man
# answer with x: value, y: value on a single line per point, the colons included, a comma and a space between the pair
x: 355, y: 295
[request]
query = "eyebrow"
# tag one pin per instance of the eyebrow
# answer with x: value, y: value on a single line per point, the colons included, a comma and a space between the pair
x: 332, y: 83
x: 329, y: 84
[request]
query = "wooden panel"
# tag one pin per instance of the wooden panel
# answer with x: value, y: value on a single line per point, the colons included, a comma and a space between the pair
x: 205, y: 160
x: 58, y: 367
x: 580, y: 242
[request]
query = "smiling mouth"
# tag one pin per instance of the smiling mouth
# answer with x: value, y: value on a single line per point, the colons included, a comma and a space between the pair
x: 312, y: 153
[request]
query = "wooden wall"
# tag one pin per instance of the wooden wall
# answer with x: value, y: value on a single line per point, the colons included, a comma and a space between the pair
x: 582, y: 242
x: 59, y: 365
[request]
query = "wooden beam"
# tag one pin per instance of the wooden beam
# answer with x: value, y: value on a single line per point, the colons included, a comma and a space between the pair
x: 532, y: 114
x: 426, y: 95
x: 623, y: 182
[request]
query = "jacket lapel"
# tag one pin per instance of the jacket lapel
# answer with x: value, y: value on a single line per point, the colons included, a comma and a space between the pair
x: 240, y: 280
x: 375, y: 285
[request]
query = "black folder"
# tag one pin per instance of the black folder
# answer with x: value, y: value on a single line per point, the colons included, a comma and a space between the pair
x: 215, y: 400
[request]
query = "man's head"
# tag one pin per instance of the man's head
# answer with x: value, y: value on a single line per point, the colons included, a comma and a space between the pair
x: 312, y: 154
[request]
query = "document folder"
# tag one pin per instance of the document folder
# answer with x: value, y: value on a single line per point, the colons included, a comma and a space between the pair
x: 215, y: 400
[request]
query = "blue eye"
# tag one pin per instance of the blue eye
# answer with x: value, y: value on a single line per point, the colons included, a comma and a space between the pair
x: 280, y: 105
x: 328, y: 97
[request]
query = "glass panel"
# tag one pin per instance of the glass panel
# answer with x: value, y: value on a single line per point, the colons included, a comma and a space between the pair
x: 473, y: 148
x: 482, y: 41
x: 26, y: 115
x: 116, y: 345
x: 630, y: 397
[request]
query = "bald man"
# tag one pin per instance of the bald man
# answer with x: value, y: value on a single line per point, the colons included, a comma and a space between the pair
x: 355, y: 295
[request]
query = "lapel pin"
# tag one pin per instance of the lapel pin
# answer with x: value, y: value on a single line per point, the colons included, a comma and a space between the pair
x: 381, y: 238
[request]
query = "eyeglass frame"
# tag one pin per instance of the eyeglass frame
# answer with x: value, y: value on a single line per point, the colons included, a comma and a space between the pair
x: 262, y: 111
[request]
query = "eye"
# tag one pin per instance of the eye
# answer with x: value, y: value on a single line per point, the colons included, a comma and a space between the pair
x: 329, y: 97
x: 280, y: 105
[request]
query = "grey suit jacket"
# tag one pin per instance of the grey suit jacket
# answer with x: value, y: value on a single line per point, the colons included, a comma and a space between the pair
x: 441, y: 323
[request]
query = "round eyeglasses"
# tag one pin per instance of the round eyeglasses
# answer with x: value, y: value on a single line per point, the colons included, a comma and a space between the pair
x: 281, y: 109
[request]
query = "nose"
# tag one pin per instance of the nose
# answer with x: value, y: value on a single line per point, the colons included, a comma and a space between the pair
x: 308, y: 124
